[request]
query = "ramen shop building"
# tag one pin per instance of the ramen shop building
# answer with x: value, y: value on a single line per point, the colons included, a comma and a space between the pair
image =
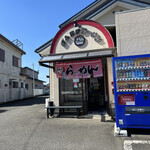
x: 79, y: 57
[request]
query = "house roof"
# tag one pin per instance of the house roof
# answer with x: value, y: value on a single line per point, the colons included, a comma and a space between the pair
x: 92, y: 10
x: 29, y: 69
x: 12, y: 44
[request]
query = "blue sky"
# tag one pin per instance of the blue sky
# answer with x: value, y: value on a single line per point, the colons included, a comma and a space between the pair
x: 34, y: 22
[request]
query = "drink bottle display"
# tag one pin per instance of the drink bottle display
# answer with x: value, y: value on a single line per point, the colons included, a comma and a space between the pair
x: 131, y: 71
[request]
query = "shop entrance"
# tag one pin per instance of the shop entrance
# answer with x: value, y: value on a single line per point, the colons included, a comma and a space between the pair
x: 96, y: 94
x: 84, y: 90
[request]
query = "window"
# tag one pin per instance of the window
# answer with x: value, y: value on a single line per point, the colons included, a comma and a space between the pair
x: 15, y: 84
x: 26, y: 86
x: 21, y: 84
x: 2, y: 55
x: 15, y: 61
x: 71, y: 91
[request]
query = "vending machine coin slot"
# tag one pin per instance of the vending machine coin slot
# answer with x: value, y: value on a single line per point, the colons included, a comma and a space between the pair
x: 146, y: 97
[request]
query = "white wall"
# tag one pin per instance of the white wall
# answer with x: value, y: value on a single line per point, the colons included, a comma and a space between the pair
x: 29, y: 91
x: 38, y: 92
x: 133, y: 32
x: 7, y: 92
x: 10, y: 73
x: 7, y: 67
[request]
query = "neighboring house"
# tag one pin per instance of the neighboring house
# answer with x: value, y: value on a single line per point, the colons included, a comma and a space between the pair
x: 32, y: 81
x: 11, y: 82
x: 65, y: 47
x: 16, y: 82
x: 46, y: 89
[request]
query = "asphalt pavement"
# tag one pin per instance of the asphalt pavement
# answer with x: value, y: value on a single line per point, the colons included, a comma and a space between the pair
x: 24, y: 126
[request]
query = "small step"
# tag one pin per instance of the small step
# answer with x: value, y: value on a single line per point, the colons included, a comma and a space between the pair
x: 120, y: 132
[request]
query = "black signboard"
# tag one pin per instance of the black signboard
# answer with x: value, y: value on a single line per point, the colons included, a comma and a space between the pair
x: 137, y: 110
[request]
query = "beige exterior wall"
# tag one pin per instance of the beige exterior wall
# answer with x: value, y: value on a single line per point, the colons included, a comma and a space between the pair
x: 110, y: 79
x: 133, y: 32
x: 54, y: 88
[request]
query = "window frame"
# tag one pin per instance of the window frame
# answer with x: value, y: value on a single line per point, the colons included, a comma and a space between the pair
x: 2, y: 55
x: 26, y: 86
x: 15, y: 61
x: 15, y: 84
x: 22, y: 85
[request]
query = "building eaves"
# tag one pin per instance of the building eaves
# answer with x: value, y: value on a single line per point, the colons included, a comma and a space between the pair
x: 143, y: 1
x: 100, y: 7
x: 80, y: 13
x: 44, y: 46
x: 140, y: 3
x: 12, y: 44
x: 107, y: 4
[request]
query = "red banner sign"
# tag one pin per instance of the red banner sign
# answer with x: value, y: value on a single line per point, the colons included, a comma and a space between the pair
x: 126, y: 99
x: 79, y: 69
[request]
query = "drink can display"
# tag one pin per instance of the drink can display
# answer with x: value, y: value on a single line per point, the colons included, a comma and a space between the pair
x: 133, y: 73
x: 148, y: 74
x: 123, y: 64
x: 130, y: 74
x: 127, y: 74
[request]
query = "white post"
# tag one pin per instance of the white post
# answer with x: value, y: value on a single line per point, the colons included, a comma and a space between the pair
x: 33, y: 80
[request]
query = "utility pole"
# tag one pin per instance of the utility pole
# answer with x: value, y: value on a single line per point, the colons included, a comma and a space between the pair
x: 33, y: 80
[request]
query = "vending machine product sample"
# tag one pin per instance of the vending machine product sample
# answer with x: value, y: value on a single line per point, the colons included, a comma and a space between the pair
x: 132, y: 91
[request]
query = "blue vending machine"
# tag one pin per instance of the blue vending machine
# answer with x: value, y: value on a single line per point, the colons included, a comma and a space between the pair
x: 132, y: 91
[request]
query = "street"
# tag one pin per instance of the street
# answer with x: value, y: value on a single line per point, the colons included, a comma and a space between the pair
x: 23, y: 126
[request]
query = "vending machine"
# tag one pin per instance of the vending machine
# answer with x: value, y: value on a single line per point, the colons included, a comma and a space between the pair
x: 132, y: 91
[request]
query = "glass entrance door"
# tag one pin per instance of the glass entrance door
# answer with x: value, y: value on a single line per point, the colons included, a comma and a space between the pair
x: 96, y: 94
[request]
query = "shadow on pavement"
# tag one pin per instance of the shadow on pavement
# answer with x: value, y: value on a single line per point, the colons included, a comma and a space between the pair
x: 2, y: 110
x: 139, y: 131
x: 26, y: 102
